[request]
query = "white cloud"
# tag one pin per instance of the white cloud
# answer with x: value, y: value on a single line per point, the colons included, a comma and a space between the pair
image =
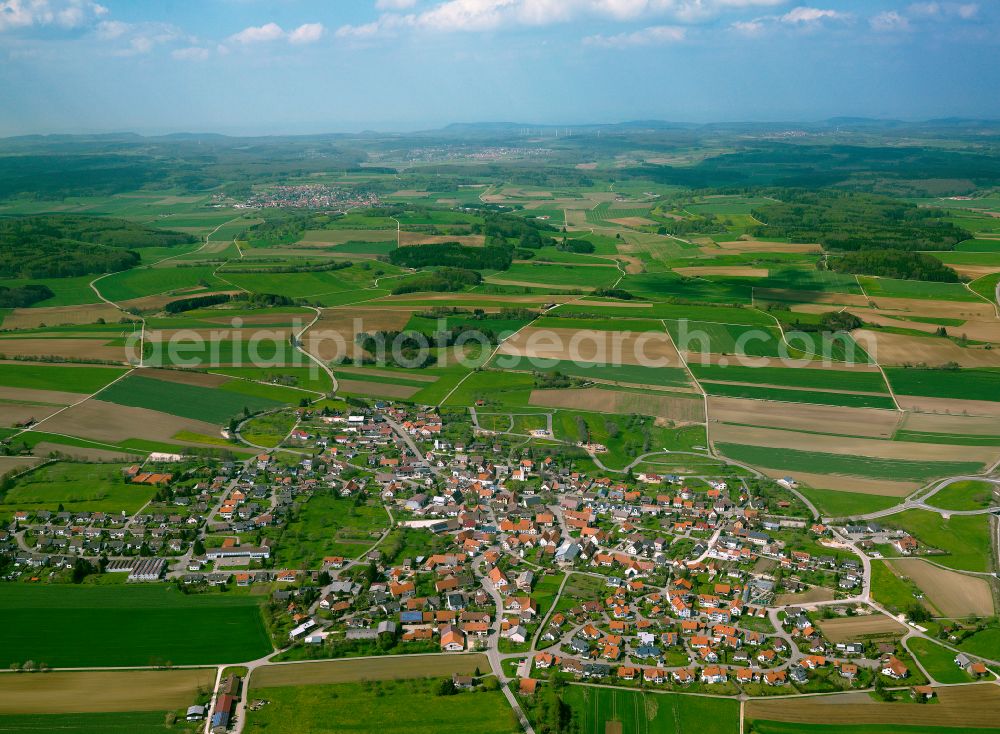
x: 271, y: 32
x: 259, y: 34
x: 654, y: 35
x: 888, y: 22
x: 922, y: 14
x: 191, y: 53
x: 394, y: 4
x: 803, y: 15
x: 306, y: 33
x: 16, y: 14
x: 485, y: 15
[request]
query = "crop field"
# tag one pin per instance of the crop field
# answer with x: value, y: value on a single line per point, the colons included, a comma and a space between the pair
x: 370, y: 669
x: 953, y: 594
x: 792, y: 460
x: 783, y: 395
x: 75, y: 487
x: 566, y: 276
x: 409, y: 707
x: 603, y: 710
x: 186, y: 401
x: 842, y: 380
x: 102, y: 691
x: 963, y: 707
x: 961, y: 384
x: 150, y: 625
x: 629, y: 374
x: 847, y: 629
x: 894, y: 727
x: 74, y: 378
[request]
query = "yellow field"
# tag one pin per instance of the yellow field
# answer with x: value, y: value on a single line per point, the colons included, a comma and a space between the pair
x: 954, y: 594
x: 849, y: 629
x: 346, y: 671
x: 963, y: 707
x: 125, y: 690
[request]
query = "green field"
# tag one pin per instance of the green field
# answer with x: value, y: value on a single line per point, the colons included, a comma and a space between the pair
x: 649, y: 713
x: 891, y: 288
x: 961, y: 384
x: 74, y: 626
x: 65, y: 291
x: 799, y: 377
x: 964, y: 538
x: 967, y: 495
x: 85, y: 380
x: 78, y: 488
x: 141, y: 282
x: 938, y: 661
x: 862, y: 466
x: 139, y: 722
x: 564, y: 275
x: 187, y: 401
x: 390, y: 707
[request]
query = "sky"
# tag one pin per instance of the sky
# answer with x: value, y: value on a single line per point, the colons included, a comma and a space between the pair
x: 310, y: 66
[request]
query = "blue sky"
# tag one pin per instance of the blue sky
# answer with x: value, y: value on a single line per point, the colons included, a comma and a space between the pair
x: 299, y: 66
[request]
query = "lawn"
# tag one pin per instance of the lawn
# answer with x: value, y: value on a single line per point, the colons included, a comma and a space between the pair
x: 63, y: 378
x: 188, y: 401
x: 389, y: 707
x: 792, y: 460
x: 328, y: 525
x: 985, y: 642
x: 938, y: 661
x: 77, y: 488
x: 140, y: 722
x: 961, y: 384
x: 647, y: 713
x: 967, y: 495
x: 268, y: 430
x: 118, y: 625
x: 835, y: 503
x: 964, y: 538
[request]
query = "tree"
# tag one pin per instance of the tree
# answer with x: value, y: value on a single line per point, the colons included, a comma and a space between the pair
x: 447, y: 687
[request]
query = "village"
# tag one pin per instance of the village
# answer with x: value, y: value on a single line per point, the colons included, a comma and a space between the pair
x: 681, y: 583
